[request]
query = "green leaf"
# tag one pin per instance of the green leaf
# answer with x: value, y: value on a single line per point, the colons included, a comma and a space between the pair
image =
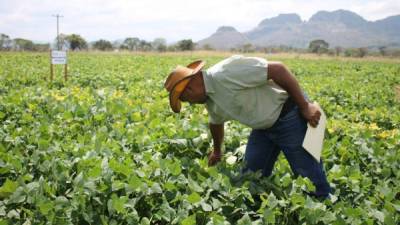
x: 68, y: 115
x: 272, y: 201
x: 175, y: 168
x: 286, y: 180
x: 156, y: 188
x: 45, y: 207
x: 378, y: 215
x: 297, y: 199
x: 43, y: 143
x: 191, y: 220
x: 166, y: 212
x: 136, y: 117
x: 95, y: 172
x: 145, y: 221
x: 218, y: 219
x: 8, y: 188
x: 389, y: 220
x: 206, y: 207
x: 169, y: 186
x: 117, y: 185
x: 135, y: 182
x: 269, y: 216
x: 18, y: 196
x: 396, y: 206
x: 245, y: 220
x: 118, y: 203
x: 194, y: 186
x: 194, y: 198
x: 120, y: 167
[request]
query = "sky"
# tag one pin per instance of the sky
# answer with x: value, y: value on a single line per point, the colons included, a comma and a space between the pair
x: 170, y: 19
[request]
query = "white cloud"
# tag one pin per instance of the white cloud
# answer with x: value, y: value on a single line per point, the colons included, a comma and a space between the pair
x: 379, y: 9
x: 173, y: 19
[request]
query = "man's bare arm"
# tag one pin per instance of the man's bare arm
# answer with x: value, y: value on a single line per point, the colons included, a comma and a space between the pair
x: 217, y: 133
x: 283, y: 77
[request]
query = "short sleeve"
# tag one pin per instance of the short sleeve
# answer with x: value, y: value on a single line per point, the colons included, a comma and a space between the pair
x: 241, y: 72
x: 213, y: 117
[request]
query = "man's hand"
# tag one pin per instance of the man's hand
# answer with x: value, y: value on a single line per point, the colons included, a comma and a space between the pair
x: 214, y: 157
x: 285, y: 79
x: 217, y: 133
x: 311, y: 113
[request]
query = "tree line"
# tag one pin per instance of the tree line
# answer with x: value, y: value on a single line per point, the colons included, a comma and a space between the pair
x: 319, y: 47
x: 20, y: 44
x: 76, y: 42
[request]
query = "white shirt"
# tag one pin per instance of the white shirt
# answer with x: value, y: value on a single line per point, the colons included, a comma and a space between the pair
x: 238, y: 89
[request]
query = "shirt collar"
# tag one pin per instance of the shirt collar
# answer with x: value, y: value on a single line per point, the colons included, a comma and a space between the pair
x: 208, y: 82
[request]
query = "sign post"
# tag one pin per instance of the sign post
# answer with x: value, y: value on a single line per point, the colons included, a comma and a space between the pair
x: 58, y: 58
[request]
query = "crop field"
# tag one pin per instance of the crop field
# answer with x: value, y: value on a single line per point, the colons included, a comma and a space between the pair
x: 105, y: 148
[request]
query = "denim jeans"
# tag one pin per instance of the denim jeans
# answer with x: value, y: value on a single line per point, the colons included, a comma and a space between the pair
x: 287, y: 134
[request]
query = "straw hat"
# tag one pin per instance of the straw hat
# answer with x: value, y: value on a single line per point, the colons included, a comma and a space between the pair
x: 177, y: 81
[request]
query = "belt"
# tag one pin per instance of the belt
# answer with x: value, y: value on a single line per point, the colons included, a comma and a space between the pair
x: 287, y: 107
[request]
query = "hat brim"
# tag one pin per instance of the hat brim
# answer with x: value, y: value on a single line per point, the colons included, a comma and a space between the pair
x: 179, y: 87
x: 196, y: 65
x: 176, y: 93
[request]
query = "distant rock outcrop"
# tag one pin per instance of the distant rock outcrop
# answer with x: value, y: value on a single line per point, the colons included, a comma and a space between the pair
x: 339, y: 28
x: 225, y: 37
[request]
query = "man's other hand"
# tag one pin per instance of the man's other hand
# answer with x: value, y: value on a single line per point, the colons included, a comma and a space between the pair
x: 214, y: 157
x: 312, y: 114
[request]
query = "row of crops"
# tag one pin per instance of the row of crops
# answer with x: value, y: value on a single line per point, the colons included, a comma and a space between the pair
x: 104, y: 147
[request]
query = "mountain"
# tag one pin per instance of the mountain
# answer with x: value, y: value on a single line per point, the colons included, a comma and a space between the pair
x: 339, y: 28
x: 390, y: 27
x: 275, y: 24
x: 347, y: 18
x: 225, y: 37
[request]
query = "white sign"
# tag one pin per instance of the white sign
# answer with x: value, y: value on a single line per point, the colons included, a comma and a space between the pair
x: 59, y: 61
x: 58, y: 57
x: 314, y: 139
x: 58, y: 54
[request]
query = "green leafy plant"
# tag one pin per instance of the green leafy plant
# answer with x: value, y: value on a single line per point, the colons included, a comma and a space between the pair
x: 104, y: 147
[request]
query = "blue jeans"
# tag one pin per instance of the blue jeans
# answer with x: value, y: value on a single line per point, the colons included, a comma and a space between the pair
x: 287, y: 134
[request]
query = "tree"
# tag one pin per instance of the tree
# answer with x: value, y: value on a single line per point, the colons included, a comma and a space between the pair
x: 5, y: 42
x: 383, y: 50
x: 159, y: 44
x: 23, y: 44
x: 318, y: 46
x: 118, y: 44
x: 172, y: 48
x: 338, y: 50
x: 41, y: 47
x: 246, y: 48
x: 349, y: 52
x: 131, y: 43
x: 76, y: 42
x: 144, y: 46
x: 64, y: 44
x: 102, y: 45
x: 208, y: 47
x: 331, y: 52
x: 362, y: 52
x: 185, y: 45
